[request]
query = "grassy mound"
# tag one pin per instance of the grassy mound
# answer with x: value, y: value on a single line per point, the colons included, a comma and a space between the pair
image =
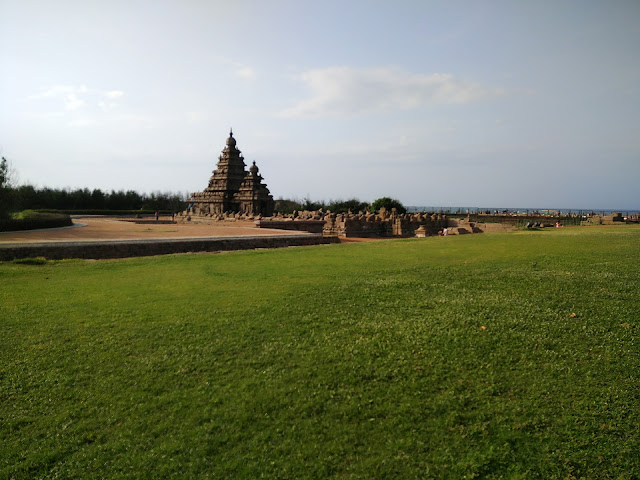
x: 31, y: 220
x: 493, y: 356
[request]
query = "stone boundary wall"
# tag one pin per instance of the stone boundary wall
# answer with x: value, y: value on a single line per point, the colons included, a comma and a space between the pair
x: 383, y: 224
x: 312, y: 226
x: 142, y: 248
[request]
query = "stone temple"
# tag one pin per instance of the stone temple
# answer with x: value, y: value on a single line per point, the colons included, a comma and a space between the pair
x: 232, y: 188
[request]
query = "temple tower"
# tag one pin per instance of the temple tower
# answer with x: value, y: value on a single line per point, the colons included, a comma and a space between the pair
x: 232, y: 189
x: 253, y: 195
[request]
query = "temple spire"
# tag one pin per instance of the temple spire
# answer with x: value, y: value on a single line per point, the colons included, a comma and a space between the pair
x: 231, y: 142
x: 232, y: 189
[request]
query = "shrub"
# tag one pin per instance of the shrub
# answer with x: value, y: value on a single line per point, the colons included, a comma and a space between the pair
x: 387, y: 203
x: 343, y: 206
x: 31, y: 261
x: 285, y: 205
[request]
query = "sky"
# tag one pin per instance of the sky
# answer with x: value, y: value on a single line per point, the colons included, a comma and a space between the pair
x: 532, y: 104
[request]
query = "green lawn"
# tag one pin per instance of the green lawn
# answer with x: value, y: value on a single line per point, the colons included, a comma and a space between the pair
x: 490, y: 356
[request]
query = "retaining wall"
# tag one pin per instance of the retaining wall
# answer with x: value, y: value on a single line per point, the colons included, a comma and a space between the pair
x: 141, y: 248
x: 312, y: 226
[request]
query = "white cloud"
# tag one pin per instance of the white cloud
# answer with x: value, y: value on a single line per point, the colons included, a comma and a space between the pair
x: 77, y: 97
x: 53, y: 91
x: 197, y: 117
x: 239, y: 69
x: 110, y: 103
x: 82, y: 123
x: 245, y: 72
x: 113, y: 94
x: 106, y: 106
x: 72, y: 102
x: 346, y: 90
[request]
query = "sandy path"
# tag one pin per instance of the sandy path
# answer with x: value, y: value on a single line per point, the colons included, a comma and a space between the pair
x: 103, y: 228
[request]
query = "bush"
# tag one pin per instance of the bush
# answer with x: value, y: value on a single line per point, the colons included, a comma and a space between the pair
x: 285, y: 205
x: 387, y: 203
x: 31, y: 261
x: 343, y: 206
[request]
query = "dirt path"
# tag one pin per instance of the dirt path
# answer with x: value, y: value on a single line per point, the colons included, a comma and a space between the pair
x: 110, y: 228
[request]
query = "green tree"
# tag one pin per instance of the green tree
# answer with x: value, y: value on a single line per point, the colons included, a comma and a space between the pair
x: 4, y: 172
x: 343, y: 206
x: 6, y: 191
x: 387, y: 203
x: 285, y: 205
x: 310, y: 205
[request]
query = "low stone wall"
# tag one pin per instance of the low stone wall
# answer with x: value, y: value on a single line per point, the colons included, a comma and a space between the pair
x: 383, y: 224
x: 141, y: 248
x: 311, y: 226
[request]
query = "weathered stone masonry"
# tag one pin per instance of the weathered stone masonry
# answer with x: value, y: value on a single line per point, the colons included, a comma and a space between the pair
x: 383, y: 224
x: 141, y: 248
x: 232, y: 189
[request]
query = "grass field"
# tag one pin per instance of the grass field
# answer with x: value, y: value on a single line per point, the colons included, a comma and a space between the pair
x: 479, y: 356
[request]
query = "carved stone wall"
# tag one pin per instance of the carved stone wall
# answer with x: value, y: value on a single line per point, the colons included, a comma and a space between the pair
x: 383, y: 224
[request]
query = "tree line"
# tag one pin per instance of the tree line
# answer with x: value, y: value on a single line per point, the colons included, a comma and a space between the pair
x: 27, y: 197
x: 15, y: 198
x: 354, y: 205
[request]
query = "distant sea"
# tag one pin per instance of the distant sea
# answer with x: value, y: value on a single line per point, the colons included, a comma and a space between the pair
x: 520, y: 210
